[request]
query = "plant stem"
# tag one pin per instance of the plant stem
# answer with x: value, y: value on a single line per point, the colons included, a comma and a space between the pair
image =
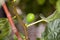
x: 11, y: 21
x: 21, y: 23
x: 36, y: 22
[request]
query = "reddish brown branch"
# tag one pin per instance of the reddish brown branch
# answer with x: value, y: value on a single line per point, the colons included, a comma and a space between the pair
x: 11, y: 21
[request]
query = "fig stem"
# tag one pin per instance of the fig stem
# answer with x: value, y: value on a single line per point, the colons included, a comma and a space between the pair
x: 36, y: 22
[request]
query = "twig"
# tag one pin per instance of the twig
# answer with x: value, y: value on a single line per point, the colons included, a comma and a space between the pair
x: 11, y: 21
x: 21, y: 23
x: 36, y: 22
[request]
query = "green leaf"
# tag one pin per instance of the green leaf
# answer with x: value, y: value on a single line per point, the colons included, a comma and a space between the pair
x: 52, y: 1
x: 41, y: 2
x: 4, y: 28
x: 55, y: 15
x: 15, y: 38
x: 22, y: 36
x: 52, y: 31
x: 58, y: 5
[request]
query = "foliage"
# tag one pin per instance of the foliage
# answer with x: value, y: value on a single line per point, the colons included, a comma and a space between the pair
x: 41, y: 2
x: 5, y: 29
x: 58, y: 5
x: 15, y: 38
x: 52, y: 31
x: 50, y: 9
